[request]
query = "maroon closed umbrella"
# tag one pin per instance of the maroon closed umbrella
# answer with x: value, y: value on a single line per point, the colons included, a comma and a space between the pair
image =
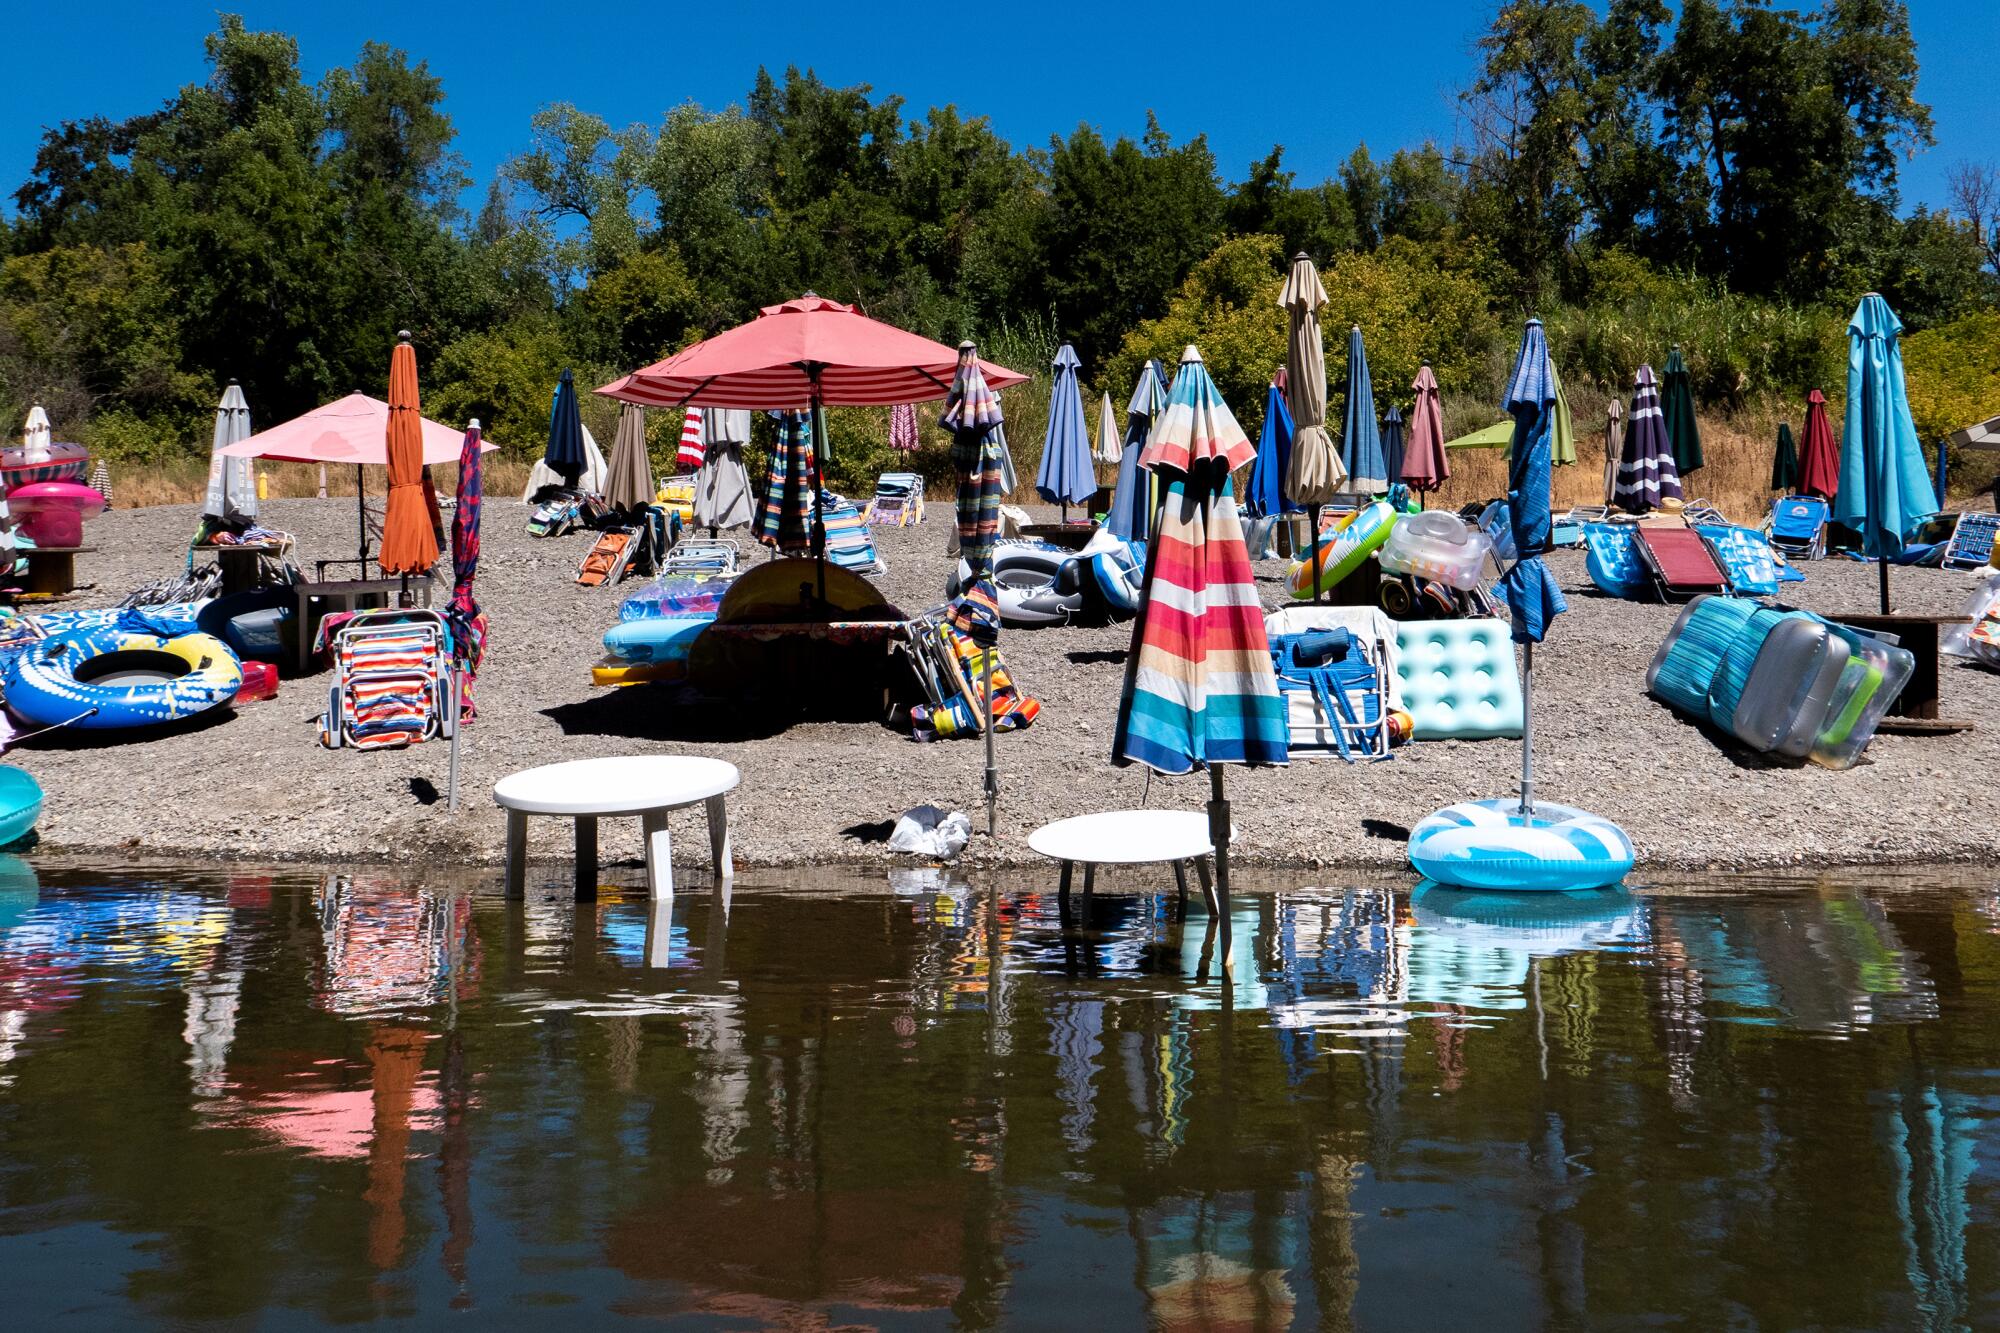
x: 1819, y: 467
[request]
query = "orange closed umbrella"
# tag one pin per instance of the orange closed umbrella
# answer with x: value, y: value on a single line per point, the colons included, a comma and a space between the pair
x: 409, y: 530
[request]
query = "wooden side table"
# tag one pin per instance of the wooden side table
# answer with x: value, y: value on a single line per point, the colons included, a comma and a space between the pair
x: 51, y: 570
x: 1915, y: 712
x: 316, y: 601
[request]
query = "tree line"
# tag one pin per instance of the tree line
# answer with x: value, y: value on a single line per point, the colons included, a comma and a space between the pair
x: 1726, y: 179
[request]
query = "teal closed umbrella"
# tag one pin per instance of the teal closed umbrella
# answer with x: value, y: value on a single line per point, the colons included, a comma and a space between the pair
x: 1885, y: 485
x: 1677, y: 406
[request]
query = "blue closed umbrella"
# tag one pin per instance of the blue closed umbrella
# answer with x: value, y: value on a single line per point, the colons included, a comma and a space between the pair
x: 1532, y: 596
x: 1360, y: 438
x: 1392, y: 443
x: 1265, y: 494
x: 1065, y: 476
x: 564, y: 453
x: 1131, y: 516
x: 1885, y: 487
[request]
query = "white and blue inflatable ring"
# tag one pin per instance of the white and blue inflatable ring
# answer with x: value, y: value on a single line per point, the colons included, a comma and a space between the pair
x: 1492, y: 845
x: 42, y: 688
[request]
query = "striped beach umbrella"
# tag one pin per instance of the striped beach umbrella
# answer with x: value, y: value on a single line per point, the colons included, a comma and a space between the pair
x: 903, y: 428
x: 1360, y: 436
x: 1064, y: 476
x: 978, y: 452
x: 1677, y: 406
x: 693, y: 446
x: 1200, y: 689
x: 786, y: 520
x: 1819, y: 464
x: 1646, y: 473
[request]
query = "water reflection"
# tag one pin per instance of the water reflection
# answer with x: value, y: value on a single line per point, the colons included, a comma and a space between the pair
x: 352, y: 1096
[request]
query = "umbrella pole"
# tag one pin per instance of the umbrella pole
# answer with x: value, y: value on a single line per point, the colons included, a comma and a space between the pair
x: 457, y: 723
x: 1312, y: 545
x: 1873, y: 518
x: 992, y: 762
x: 1527, y: 728
x: 819, y: 482
x: 361, y: 514
x: 1218, y: 836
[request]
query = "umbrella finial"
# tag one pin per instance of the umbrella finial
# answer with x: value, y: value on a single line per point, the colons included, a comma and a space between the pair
x: 232, y: 383
x: 473, y: 424
x: 967, y: 345
x: 402, y: 335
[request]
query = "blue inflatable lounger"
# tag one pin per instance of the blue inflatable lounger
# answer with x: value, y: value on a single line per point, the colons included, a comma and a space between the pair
x: 1458, y: 680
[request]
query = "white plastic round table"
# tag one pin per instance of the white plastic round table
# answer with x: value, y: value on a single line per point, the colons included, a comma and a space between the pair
x: 587, y: 790
x: 1128, y: 837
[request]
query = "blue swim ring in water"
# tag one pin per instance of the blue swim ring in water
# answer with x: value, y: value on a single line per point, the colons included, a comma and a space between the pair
x: 1492, y: 845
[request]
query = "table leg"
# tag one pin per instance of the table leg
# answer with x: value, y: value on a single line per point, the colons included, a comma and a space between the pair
x: 586, y: 857
x: 1180, y: 888
x: 1062, y: 891
x: 659, y: 855
x: 718, y: 839
x: 660, y: 930
x: 1222, y: 915
x: 1089, y: 881
x: 1207, y: 884
x: 517, y: 854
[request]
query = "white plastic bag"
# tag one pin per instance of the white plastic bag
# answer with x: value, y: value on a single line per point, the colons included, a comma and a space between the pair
x: 928, y: 831
x: 1958, y: 640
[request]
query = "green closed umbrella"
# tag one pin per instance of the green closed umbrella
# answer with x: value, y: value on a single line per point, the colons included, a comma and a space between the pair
x: 1677, y: 405
x: 1785, y: 462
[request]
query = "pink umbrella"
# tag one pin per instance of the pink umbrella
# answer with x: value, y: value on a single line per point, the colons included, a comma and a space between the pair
x: 354, y: 430
x: 1425, y: 467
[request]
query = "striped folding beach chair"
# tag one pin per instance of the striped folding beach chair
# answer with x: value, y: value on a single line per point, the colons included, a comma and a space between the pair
x: 392, y: 681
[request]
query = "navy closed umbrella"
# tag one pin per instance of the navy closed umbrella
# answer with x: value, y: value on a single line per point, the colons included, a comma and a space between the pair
x: 1266, y: 492
x: 564, y: 452
x: 1392, y: 443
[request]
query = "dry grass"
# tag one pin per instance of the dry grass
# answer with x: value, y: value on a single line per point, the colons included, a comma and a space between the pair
x: 184, y: 480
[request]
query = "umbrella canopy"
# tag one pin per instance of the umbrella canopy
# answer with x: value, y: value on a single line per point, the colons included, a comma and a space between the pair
x: 1064, y: 476
x: 800, y: 352
x: 722, y: 488
x: 1109, y: 448
x: 1785, y: 461
x: 1360, y: 437
x: 1980, y: 435
x: 1425, y: 467
x: 1646, y: 473
x: 37, y: 436
x: 232, y: 481
x: 973, y: 417
x: 1392, y: 442
x: 1614, y: 448
x: 468, y: 622
x: 1819, y: 461
x: 352, y: 430
x: 409, y: 528
x: 629, y: 484
x: 1499, y: 435
x: 689, y: 455
x: 1677, y: 405
x: 564, y: 451
x: 1562, y: 433
x: 1316, y: 472
x: 903, y: 428
x: 1199, y: 684
x: 1533, y: 599
x: 786, y: 520
x: 1265, y: 493
x: 1131, y: 517
x: 1885, y: 487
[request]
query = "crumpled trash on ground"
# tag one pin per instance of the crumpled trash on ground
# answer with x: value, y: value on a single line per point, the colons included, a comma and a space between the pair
x: 928, y: 831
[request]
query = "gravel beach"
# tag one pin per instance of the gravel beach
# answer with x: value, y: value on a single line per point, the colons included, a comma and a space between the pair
x: 255, y: 784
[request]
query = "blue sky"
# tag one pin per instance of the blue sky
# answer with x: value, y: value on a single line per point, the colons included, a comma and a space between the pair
x: 1383, y: 73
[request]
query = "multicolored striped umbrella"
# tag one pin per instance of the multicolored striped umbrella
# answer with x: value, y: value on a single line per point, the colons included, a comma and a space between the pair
x: 1200, y: 685
x: 785, y: 522
x: 468, y: 622
x: 972, y: 415
x: 903, y: 428
x: 1646, y: 472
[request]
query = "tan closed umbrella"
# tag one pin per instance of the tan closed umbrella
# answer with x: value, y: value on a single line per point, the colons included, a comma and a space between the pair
x: 1614, y: 448
x: 628, y: 484
x: 1316, y: 473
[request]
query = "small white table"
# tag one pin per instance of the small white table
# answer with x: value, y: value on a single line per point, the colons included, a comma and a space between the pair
x: 587, y: 790
x: 1131, y: 837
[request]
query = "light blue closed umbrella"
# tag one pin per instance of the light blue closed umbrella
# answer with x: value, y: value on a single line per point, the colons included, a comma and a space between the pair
x: 1360, y: 436
x: 1065, y: 476
x: 1131, y: 516
x: 1885, y: 485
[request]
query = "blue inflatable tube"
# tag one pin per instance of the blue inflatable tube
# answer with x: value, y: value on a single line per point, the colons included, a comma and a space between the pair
x: 1492, y: 845
x: 128, y: 679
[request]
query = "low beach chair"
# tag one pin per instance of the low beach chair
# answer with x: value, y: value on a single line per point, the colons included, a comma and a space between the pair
x: 701, y: 555
x: 1798, y: 527
x: 898, y: 501
x: 1971, y: 545
x: 847, y: 541
x: 607, y: 557
x: 1698, y: 512
x: 1680, y: 562
x: 392, y: 682
x: 1336, y: 694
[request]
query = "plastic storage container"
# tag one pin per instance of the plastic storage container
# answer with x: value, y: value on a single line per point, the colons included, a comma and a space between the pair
x: 260, y: 681
x: 1437, y: 545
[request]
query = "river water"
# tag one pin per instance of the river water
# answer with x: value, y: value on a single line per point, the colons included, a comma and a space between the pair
x: 288, y: 1098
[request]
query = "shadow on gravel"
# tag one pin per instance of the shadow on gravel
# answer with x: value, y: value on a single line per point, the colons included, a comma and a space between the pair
x: 1093, y: 656
x: 72, y: 738
x: 646, y: 713
x: 875, y: 832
